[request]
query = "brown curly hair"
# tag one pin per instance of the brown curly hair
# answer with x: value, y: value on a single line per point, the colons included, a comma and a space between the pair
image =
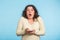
x: 36, y: 12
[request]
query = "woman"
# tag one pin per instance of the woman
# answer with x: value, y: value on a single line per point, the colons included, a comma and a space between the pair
x: 31, y: 25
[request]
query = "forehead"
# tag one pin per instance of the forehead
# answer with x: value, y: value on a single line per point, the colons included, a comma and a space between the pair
x: 30, y: 7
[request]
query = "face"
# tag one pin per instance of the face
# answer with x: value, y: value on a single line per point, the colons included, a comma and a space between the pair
x: 30, y: 12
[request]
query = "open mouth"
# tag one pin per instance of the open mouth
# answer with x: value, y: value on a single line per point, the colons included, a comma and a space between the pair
x: 29, y: 14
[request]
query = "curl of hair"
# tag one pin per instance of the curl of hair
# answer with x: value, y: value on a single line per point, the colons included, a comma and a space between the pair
x: 36, y: 12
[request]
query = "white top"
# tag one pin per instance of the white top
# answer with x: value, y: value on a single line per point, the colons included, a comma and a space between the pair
x: 38, y: 25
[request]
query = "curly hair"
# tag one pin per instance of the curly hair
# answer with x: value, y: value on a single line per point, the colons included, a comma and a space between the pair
x: 36, y: 12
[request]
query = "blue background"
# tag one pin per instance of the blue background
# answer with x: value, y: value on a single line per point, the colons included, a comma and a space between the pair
x: 11, y: 10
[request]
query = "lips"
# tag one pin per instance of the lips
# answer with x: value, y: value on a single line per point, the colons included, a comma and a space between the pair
x: 29, y: 14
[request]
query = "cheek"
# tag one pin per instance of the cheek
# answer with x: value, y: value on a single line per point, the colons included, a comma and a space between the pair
x: 27, y: 12
x: 33, y: 14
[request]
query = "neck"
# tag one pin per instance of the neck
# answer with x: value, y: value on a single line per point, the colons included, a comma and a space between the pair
x: 31, y: 19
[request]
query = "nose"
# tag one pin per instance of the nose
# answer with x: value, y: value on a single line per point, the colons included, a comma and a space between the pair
x: 30, y: 11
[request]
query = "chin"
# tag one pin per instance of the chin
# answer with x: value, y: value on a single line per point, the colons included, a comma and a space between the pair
x: 30, y: 17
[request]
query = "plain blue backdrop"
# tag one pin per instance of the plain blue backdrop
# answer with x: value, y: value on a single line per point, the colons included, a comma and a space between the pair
x: 11, y: 10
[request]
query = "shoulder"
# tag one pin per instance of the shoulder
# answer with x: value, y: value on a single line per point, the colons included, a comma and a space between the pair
x: 23, y: 19
x: 39, y: 17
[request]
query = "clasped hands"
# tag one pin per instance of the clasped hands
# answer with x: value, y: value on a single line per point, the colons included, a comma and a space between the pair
x: 28, y: 31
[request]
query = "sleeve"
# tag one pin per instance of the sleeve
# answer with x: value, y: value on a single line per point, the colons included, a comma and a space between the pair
x: 41, y: 30
x: 20, y: 30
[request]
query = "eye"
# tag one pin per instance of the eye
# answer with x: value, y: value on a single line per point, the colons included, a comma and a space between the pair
x: 27, y: 10
x: 32, y: 10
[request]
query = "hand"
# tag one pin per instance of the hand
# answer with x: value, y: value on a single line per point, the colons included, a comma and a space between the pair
x: 32, y: 32
x: 28, y: 31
